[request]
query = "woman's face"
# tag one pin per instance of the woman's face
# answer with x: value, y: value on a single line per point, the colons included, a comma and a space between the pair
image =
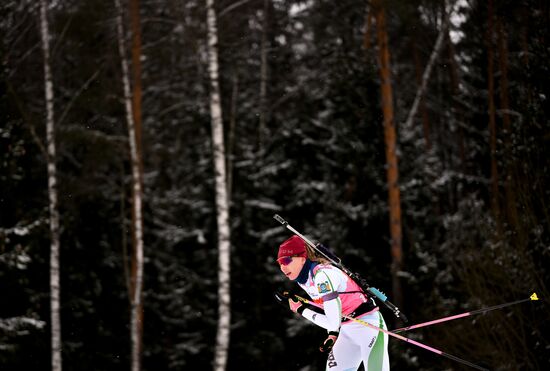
x: 291, y: 266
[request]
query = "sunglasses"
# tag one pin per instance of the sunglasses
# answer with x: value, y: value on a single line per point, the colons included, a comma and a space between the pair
x: 285, y: 260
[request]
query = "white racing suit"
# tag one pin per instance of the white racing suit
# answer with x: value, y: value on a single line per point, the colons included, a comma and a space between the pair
x: 337, y: 294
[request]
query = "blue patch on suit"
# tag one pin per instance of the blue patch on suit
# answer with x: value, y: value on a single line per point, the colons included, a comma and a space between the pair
x: 324, y: 287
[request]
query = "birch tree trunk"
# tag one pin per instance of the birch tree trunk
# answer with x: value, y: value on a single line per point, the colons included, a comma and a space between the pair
x: 222, y: 206
x: 390, y: 139
x: 133, y: 119
x: 52, y: 193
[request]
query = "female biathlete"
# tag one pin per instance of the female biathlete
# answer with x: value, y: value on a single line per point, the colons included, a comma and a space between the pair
x: 334, y: 294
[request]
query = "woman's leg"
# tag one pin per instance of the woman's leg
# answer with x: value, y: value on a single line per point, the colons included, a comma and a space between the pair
x: 374, y: 348
x: 345, y: 355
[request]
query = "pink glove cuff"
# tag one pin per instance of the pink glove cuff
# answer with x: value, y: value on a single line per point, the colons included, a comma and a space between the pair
x: 294, y: 305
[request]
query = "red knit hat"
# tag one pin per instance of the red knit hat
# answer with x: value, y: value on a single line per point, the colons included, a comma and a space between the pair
x: 294, y: 246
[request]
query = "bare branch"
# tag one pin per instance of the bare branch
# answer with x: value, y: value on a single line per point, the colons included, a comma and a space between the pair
x: 427, y: 72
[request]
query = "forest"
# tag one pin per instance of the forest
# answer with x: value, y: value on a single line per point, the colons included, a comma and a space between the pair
x: 146, y: 145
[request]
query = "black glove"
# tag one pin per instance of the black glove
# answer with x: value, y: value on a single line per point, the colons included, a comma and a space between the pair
x: 290, y: 301
x: 329, y: 342
x: 282, y: 297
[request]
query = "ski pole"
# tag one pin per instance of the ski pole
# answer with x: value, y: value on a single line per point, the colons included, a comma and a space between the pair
x: 466, y: 314
x: 421, y: 345
x: 407, y: 340
x: 338, y: 262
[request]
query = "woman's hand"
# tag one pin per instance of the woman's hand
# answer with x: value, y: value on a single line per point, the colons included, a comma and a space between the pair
x: 329, y: 342
x: 294, y: 305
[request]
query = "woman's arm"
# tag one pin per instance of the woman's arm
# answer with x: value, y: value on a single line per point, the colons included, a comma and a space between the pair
x: 327, y: 283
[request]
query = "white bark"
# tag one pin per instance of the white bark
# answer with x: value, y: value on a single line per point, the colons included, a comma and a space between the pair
x: 222, y: 206
x: 137, y: 286
x: 52, y: 193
